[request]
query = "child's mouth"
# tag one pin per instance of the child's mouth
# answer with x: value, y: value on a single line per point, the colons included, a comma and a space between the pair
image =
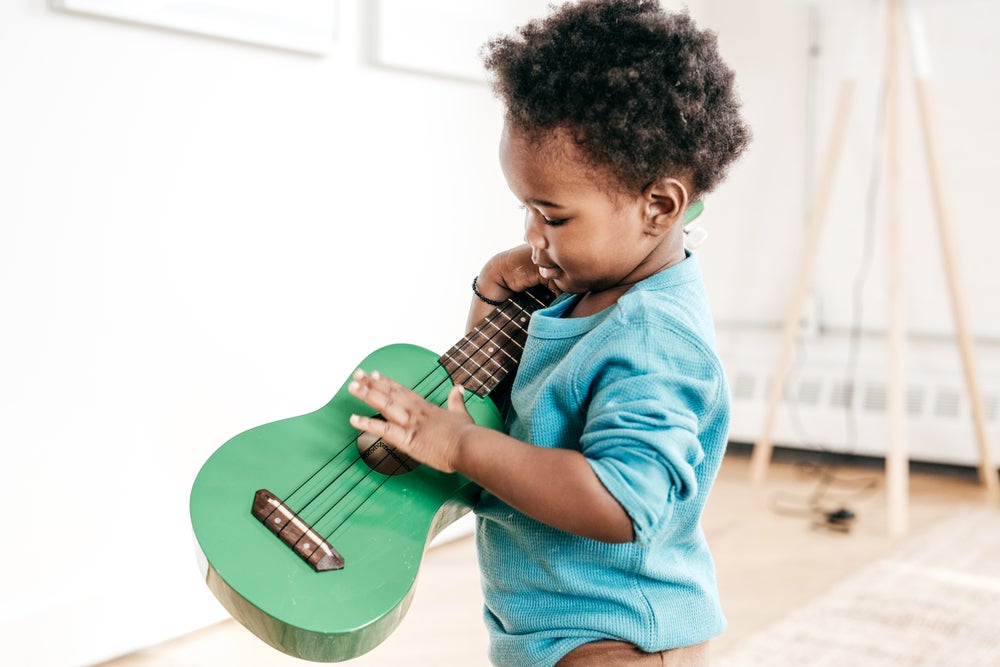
x: 548, y: 272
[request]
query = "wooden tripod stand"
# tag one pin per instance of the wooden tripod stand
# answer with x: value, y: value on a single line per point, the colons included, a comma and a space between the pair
x: 897, y: 461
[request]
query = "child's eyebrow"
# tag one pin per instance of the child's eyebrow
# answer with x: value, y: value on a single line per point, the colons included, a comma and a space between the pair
x: 546, y: 204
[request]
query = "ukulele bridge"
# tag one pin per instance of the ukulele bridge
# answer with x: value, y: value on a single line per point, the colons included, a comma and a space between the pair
x: 296, y: 533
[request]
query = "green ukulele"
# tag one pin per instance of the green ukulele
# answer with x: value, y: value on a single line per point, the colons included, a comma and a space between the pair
x: 312, y: 533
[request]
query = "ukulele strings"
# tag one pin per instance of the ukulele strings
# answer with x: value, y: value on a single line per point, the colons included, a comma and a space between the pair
x: 467, y: 340
x: 351, y: 491
x: 478, y: 332
x: 318, y: 502
x: 500, y: 331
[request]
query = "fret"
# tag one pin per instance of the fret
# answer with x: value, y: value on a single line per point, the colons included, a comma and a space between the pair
x: 487, y: 339
x: 498, y: 349
x: 485, y: 356
x: 495, y: 347
x: 477, y: 375
x: 476, y: 370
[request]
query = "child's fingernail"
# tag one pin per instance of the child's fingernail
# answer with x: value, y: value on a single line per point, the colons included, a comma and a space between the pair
x: 376, y: 375
x: 354, y: 386
x: 358, y: 374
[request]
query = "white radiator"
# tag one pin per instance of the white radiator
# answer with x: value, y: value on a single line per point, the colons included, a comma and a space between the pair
x: 828, y: 406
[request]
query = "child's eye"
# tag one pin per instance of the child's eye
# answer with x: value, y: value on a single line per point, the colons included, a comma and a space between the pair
x: 548, y: 221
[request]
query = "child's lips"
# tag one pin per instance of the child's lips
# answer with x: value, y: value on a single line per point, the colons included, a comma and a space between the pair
x: 548, y: 272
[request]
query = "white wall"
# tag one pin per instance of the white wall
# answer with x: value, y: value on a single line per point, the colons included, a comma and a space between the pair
x: 199, y: 236
x: 754, y: 255
x: 791, y: 57
x: 964, y: 57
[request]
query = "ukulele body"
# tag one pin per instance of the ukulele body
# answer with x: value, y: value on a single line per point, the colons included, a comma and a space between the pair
x: 380, y: 524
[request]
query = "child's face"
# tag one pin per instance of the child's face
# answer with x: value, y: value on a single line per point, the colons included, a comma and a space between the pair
x: 583, y: 238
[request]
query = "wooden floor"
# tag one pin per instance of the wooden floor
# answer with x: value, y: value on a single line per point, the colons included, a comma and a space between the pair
x: 771, y: 558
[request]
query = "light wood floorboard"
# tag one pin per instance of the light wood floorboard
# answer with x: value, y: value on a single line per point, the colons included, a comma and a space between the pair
x: 769, y: 562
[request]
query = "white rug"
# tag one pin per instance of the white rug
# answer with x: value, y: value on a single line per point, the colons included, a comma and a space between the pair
x: 933, y: 601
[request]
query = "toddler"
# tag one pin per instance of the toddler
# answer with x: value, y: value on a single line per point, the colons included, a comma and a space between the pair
x: 619, y: 115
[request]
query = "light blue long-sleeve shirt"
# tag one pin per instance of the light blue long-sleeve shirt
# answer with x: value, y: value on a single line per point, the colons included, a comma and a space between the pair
x: 638, y: 389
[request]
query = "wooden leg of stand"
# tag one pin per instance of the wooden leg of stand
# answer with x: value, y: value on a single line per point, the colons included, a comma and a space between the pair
x: 987, y: 469
x: 896, y: 458
x: 761, y: 456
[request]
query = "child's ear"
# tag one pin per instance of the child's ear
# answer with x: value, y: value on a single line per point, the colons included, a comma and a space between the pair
x: 665, y: 201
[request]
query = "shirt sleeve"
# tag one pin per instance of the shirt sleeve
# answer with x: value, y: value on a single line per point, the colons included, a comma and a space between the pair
x: 647, y: 403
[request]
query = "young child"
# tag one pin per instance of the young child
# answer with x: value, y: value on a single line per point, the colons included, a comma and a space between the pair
x: 618, y: 116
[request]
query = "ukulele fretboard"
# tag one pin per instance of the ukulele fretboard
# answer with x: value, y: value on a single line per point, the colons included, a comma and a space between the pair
x: 488, y: 353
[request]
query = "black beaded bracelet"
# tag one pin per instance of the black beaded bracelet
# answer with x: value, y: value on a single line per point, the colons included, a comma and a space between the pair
x: 485, y: 299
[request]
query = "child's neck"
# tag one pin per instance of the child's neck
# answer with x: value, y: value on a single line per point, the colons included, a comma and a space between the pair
x: 592, y: 303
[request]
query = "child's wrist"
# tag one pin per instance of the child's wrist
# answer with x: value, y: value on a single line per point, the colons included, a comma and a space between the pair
x: 490, y: 287
x: 482, y: 297
x: 459, y: 451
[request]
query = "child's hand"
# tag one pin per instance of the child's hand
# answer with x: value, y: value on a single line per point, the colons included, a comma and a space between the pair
x: 510, y: 271
x: 504, y: 274
x: 421, y: 430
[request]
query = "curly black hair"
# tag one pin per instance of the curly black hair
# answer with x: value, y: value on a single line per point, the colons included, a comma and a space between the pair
x: 643, y: 92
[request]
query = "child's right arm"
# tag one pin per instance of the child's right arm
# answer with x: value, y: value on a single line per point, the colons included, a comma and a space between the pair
x: 555, y: 486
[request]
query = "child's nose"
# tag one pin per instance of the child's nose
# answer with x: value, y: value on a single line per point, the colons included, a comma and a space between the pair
x: 534, y: 230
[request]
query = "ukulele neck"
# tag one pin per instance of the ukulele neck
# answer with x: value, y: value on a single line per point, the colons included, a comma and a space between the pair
x: 488, y: 353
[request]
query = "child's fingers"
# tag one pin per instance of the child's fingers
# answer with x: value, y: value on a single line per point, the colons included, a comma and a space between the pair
x: 386, y: 396
x: 368, y: 424
x: 456, y: 398
x: 378, y: 427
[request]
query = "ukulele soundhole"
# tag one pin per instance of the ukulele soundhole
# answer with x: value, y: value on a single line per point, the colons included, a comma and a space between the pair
x: 383, y: 457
